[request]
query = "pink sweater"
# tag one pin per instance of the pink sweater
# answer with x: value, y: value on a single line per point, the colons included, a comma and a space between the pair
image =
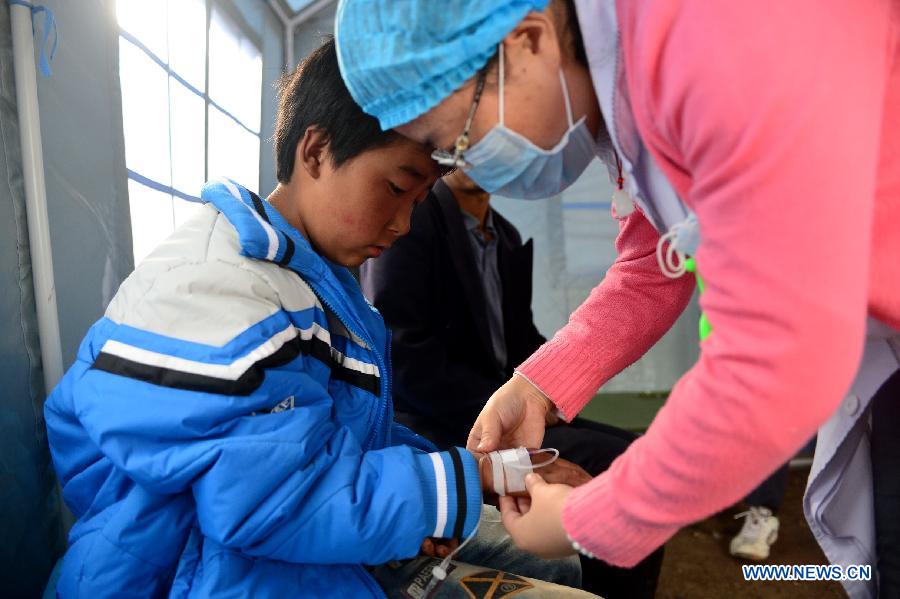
x: 769, y: 119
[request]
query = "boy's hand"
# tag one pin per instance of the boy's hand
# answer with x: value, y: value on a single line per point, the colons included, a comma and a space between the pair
x: 559, y: 472
x: 562, y: 472
x: 439, y: 548
x: 485, y: 473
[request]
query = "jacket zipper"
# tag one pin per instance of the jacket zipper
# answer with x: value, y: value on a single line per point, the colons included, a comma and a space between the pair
x: 385, y: 388
x: 389, y: 375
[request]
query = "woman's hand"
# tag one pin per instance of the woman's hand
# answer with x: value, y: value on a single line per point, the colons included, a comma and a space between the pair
x: 535, y: 522
x: 515, y: 416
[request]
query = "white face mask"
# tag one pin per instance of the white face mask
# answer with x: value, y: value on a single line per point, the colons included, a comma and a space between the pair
x: 506, y: 163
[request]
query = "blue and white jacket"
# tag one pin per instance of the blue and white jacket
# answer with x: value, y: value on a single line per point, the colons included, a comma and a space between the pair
x: 227, y: 427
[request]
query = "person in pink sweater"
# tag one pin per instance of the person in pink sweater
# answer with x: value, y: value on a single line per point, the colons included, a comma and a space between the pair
x: 760, y: 139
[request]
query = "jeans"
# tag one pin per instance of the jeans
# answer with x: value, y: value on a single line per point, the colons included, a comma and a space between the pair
x: 593, y: 446
x: 770, y: 492
x: 490, y: 560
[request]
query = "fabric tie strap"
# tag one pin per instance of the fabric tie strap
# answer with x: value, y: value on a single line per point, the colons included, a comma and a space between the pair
x: 49, y: 26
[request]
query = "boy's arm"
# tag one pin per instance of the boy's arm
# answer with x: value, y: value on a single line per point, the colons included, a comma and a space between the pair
x: 403, y: 435
x: 291, y: 485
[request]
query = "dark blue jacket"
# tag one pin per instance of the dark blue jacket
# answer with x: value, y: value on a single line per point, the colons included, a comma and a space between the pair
x: 429, y: 291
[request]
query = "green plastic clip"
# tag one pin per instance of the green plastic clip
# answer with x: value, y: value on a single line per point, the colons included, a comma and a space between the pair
x: 690, y: 265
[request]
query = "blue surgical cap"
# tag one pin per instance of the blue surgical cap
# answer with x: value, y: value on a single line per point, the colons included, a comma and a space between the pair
x: 400, y: 58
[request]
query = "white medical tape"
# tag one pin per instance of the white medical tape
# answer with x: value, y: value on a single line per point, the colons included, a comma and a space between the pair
x: 516, y: 465
x: 509, y: 467
x: 497, y: 470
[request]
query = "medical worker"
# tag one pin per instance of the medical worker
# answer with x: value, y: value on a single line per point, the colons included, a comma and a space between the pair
x: 755, y: 148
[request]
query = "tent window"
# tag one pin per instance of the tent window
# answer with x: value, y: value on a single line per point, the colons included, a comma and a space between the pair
x: 191, y: 79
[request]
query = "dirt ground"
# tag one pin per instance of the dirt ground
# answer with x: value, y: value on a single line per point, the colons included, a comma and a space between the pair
x: 697, y: 562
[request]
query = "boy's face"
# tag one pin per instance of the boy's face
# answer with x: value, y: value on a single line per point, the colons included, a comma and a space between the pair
x: 363, y: 206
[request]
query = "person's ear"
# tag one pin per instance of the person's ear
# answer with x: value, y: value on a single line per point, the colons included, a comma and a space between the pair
x: 312, y: 151
x: 535, y: 36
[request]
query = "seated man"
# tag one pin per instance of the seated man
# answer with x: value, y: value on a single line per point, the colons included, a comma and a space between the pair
x: 456, y: 293
x: 227, y: 427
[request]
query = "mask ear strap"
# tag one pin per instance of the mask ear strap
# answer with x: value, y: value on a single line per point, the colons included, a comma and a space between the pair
x: 565, y: 90
x: 502, y: 77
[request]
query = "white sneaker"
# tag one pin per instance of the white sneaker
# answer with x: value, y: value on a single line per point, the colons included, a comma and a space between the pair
x: 759, y: 532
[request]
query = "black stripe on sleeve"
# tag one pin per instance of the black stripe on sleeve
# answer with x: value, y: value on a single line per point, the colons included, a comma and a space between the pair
x: 460, y: 493
x: 366, y: 382
x: 258, y: 205
x: 248, y: 382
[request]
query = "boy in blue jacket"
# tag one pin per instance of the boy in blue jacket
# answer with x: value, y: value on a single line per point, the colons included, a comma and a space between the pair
x: 227, y: 427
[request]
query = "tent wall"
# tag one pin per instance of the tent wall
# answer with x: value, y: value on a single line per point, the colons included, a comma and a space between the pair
x: 31, y: 531
x: 87, y: 205
x: 84, y: 159
x: 258, y: 16
x: 309, y: 34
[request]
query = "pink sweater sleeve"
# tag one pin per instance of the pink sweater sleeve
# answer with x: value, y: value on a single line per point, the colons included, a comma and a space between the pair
x: 768, y: 121
x: 621, y: 319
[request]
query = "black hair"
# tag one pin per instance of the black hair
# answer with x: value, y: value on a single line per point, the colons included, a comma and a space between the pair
x: 314, y: 95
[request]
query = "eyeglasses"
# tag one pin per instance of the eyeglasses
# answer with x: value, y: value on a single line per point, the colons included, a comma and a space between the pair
x: 454, y: 160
